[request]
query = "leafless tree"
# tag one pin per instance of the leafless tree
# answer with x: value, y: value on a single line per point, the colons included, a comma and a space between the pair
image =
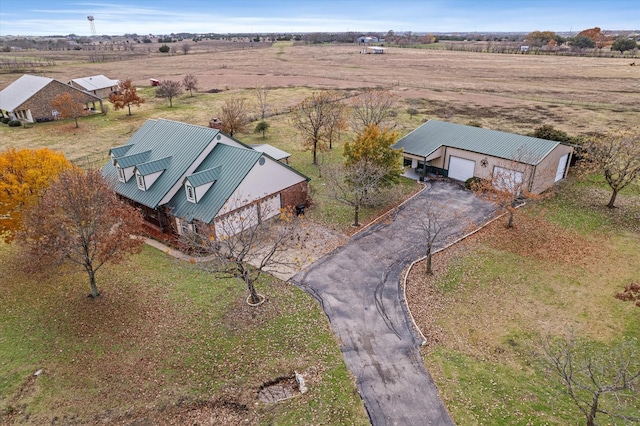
x: 314, y: 117
x: 186, y: 47
x: 234, y: 115
x: 242, y: 245
x: 598, y: 381
x: 262, y: 93
x: 169, y: 89
x: 435, y: 224
x: 357, y: 185
x: 79, y: 218
x: 373, y: 106
x: 617, y: 157
x: 190, y: 83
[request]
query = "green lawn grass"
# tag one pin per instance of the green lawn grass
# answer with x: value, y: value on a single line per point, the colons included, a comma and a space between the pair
x: 162, y: 332
x: 497, y: 306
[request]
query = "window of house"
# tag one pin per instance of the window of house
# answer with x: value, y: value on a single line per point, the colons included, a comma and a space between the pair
x: 140, y: 180
x: 120, y: 174
x: 191, y: 195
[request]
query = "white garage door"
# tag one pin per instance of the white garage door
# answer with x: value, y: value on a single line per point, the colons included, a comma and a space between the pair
x: 461, y: 169
x: 237, y: 221
x: 562, y: 167
x: 507, y: 179
x: 270, y: 207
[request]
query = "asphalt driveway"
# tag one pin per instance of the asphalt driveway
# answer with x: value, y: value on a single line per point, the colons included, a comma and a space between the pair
x: 358, y: 288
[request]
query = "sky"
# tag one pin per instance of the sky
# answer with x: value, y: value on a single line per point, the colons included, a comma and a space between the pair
x: 63, y: 17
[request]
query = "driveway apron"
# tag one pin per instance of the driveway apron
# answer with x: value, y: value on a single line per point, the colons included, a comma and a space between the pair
x: 358, y: 288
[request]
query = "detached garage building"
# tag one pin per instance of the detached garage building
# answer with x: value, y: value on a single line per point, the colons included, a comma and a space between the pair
x: 461, y: 152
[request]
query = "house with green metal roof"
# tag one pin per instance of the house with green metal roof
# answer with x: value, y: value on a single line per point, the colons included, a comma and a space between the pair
x: 461, y: 152
x: 182, y: 176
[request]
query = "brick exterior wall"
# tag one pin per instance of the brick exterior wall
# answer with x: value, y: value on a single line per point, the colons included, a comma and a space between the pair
x: 296, y: 194
x: 40, y: 103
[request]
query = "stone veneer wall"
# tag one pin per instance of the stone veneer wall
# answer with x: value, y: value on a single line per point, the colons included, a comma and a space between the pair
x: 40, y: 103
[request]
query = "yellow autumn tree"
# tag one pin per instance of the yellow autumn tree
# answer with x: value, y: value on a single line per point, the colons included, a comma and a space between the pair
x: 24, y: 175
x: 373, y: 146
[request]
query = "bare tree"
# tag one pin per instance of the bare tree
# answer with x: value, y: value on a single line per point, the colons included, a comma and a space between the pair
x: 262, y: 93
x: 372, y: 107
x: 169, y: 89
x: 79, y: 218
x: 435, y: 224
x: 244, y: 246
x: 190, y: 83
x: 359, y: 184
x: 186, y: 47
x: 234, y: 115
x: 314, y: 116
x: 598, y: 381
x: 617, y: 157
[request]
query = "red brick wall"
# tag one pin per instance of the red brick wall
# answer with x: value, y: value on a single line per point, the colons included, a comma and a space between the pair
x: 294, y: 195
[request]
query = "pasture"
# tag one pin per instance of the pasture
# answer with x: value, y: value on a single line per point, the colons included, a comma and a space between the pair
x: 483, y: 365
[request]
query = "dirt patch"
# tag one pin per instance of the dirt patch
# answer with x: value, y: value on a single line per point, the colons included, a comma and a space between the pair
x: 279, y: 390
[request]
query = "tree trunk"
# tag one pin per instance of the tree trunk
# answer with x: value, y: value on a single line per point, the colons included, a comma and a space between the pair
x: 612, y: 201
x: 510, y: 225
x: 356, y: 213
x: 429, y: 270
x: 254, y: 298
x: 92, y: 280
x: 170, y: 102
x: 76, y: 117
x: 591, y: 415
x: 129, y: 106
x: 315, y: 146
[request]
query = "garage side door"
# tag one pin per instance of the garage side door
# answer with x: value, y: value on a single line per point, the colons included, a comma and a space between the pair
x: 507, y: 179
x: 562, y: 167
x: 460, y: 168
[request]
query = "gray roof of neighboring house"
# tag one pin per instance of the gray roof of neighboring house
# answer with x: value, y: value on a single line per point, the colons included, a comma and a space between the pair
x: 271, y: 151
x: 21, y: 90
x: 184, y: 143
x: 433, y: 134
x: 232, y: 164
x: 94, y: 82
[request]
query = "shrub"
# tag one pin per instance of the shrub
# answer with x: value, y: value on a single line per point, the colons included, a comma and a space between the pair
x: 412, y: 111
x: 5, y: 120
x: 472, y: 183
x: 164, y: 48
x: 14, y: 123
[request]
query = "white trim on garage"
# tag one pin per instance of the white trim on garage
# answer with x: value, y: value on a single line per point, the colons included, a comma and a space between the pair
x: 562, y: 167
x: 461, y: 168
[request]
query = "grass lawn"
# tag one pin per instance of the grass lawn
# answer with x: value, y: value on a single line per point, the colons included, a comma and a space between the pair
x: 497, y: 296
x: 164, y: 340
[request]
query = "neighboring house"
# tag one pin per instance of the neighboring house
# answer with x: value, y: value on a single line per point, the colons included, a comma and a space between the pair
x: 98, y: 85
x: 461, y: 152
x: 29, y: 98
x: 373, y: 50
x: 182, y: 176
x: 367, y: 39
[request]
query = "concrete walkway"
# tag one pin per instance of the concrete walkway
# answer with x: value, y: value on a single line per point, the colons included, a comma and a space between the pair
x: 358, y: 288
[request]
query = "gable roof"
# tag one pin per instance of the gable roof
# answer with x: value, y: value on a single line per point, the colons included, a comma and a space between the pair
x: 94, y: 82
x: 233, y: 164
x: 204, y: 177
x: 433, y: 134
x: 21, y: 90
x: 184, y: 143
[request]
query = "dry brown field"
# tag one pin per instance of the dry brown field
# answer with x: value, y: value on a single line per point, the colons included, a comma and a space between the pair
x: 512, y: 92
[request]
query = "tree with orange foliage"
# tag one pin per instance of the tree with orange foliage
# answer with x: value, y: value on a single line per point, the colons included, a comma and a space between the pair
x: 80, y: 219
x: 125, y: 96
x: 68, y: 106
x: 595, y: 34
x: 24, y: 175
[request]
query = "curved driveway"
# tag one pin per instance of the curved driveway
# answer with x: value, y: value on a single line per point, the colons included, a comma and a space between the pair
x: 358, y: 288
